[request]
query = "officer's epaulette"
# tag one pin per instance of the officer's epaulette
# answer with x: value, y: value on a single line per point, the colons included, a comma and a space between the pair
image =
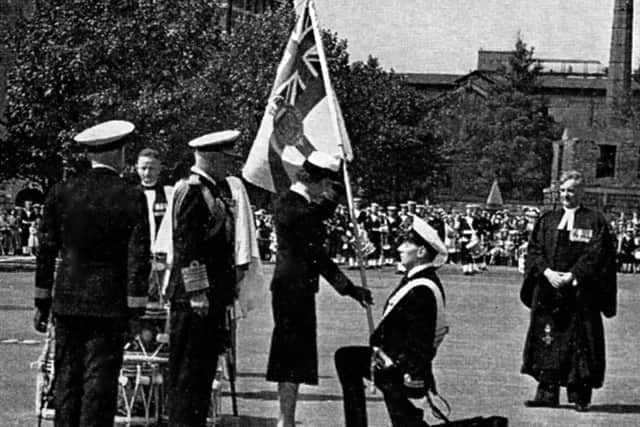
x: 194, y: 179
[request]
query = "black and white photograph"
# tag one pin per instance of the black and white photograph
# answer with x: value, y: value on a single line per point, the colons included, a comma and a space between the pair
x: 319, y: 213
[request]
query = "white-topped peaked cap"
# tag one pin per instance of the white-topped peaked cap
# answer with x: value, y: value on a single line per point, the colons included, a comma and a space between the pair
x: 105, y: 136
x: 216, y: 141
x: 430, y: 236
x: 323, y: 164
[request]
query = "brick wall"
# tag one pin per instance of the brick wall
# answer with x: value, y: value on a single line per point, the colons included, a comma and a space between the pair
x: 577, y: 110
x: 602, y: 198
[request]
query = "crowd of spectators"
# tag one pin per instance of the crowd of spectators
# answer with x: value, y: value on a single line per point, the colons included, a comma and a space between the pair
x: 19, y: 229
x: 502, y: 234
x: 627, y: 231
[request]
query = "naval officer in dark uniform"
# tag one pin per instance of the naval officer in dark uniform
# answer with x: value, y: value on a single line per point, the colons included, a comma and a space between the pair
x: 569, y: 283
x: 405, y: 341
x: 300, y: 261
x: 95, y: 236
x: 202, y: 280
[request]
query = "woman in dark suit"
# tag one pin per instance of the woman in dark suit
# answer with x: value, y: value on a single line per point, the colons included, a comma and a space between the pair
x: 300, y: 261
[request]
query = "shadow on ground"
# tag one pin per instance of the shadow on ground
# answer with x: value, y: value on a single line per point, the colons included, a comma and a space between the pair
x: 608, y: 408
x: 614, y: 408
x: 272, y: 395
x: 263, y: 375
x: 246, y: 421
x: 15, y: 308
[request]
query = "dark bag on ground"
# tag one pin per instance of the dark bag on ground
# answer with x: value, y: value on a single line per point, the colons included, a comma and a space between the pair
x: 494, y: 421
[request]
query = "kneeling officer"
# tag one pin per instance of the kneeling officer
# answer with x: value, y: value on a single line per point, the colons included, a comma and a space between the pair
x: 405, y: 342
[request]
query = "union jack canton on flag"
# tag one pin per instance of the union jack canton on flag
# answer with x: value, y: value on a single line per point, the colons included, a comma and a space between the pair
x: 303, y: 114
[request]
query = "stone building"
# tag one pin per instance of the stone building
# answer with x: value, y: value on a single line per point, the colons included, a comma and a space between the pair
x: 575, y: 90
x: 590, y: 100
x: 607, y: 151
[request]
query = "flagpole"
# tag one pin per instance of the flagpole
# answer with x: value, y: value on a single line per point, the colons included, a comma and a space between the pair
x: 334, y: 122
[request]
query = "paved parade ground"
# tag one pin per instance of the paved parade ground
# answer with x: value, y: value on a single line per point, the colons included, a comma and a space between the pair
x: 477, y: 368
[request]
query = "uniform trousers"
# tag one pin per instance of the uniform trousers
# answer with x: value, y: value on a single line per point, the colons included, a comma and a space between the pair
x: 196, y: 342
x: 88, y: 357
x: 465, y: 255
x: 353, y: 365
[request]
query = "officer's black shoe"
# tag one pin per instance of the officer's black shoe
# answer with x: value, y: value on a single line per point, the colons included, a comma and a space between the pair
x: 540, y: 403
x: 582, y: 407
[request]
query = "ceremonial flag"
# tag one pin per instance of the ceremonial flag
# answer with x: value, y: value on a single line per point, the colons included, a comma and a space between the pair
x: 303, y: 114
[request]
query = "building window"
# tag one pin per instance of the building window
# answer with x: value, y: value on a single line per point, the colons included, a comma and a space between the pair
x: 606, y: 166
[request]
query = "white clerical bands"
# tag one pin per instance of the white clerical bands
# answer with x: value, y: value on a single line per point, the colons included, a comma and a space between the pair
x: 568, y: 218
x: 195, y: 277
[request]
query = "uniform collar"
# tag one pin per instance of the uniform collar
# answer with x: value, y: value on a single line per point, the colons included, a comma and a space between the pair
x: 198, y: 171
x: 405, y: 280
x: 98, y: 165
x: 417, y: 269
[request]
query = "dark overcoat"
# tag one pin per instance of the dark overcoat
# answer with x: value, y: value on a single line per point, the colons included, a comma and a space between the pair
x: 565, y: 340
x: 300, y: 261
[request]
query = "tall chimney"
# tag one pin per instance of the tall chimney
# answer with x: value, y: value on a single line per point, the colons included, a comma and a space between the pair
x: 619, y: 74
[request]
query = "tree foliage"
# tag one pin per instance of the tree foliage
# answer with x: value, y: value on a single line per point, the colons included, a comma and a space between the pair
x: 164, y: 65
x: 523, y: 69
x: 395, y: 156
x: 168, y: 67
x: 506, y: 134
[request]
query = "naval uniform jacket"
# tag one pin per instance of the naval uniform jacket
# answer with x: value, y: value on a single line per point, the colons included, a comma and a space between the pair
x: 95, y: 236
x: 301, y: 257
x: 206, y: 237
x: 407, y: 330
x: 565, y: 341
x: 202, y: 222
